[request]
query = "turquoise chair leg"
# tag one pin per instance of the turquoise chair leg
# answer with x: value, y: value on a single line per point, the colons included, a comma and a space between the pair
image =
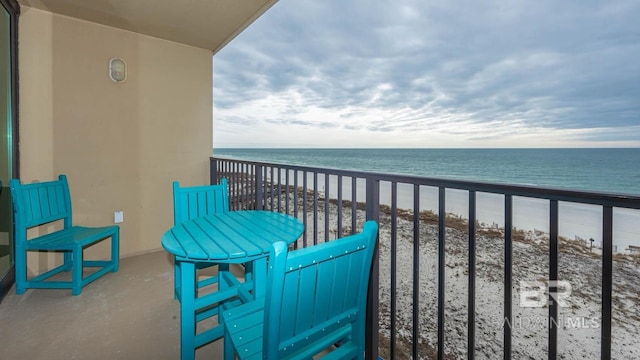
x: 21, y: 271
x: 228, y: 347
x: 259, y: 274
x: 115, y: 251
x: 222, y: 268
x: 248, y: 271
x: 76, y: 271
x: 187, y: 310
x: 68, y: 261
x: 176, y: 279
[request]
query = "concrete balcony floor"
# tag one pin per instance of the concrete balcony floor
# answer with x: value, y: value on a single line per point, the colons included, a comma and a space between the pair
x: 130, y: 314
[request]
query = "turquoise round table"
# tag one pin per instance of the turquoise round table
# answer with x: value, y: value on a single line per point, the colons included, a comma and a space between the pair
x: 230, y: 237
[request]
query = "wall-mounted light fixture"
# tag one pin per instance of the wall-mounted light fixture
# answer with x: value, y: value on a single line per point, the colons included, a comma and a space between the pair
x: 117, y: 70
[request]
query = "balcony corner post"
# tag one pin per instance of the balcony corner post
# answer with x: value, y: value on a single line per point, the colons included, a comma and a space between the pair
x: 213, y: 171
x: 371, y: 331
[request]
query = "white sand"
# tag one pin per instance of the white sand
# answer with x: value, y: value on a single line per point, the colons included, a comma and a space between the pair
x: 579, y: 333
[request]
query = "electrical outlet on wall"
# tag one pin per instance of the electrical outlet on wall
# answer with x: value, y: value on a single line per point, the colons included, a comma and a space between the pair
x: 118, y: 217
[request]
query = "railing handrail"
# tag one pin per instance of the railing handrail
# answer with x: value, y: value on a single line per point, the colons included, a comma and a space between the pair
x: 628, y: 201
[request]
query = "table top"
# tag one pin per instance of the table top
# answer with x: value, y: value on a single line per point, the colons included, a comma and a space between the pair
x: 234, y: 236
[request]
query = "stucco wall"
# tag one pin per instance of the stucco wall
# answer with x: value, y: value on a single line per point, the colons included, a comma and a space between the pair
x: 121, y: 145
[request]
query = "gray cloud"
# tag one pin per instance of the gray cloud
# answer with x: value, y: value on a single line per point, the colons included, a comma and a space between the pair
x: 415, y: 65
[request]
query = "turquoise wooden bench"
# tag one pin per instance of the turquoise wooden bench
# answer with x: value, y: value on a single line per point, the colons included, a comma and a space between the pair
x: 316, y: 300
x: 45, y: 202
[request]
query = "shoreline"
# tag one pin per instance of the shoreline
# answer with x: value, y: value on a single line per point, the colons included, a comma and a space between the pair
x: 577, y: 221
x: 461, y: 224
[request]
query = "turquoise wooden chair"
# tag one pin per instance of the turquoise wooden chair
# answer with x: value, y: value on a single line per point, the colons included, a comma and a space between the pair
x: 189, y: 203
x: 315, y: 301
x: 192, y: 202
x: 41, y: 203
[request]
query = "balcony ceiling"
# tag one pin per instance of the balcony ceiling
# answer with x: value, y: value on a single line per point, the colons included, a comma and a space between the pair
x: 208, y: 24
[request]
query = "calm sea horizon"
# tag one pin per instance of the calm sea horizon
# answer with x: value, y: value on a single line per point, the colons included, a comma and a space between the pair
x: 612, y: 170
x: 608, y: 170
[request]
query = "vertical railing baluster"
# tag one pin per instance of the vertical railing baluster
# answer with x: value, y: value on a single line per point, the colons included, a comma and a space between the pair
x: 235, y: 185
x: 508, y: 264
x: 239, y: 183
x: 232, y: 187
x: 441, y: 268
x: 339, y: 206
x: 231, y: 184
x: 326, y: 207
x: 238, y: 192
x: 271, y: 187
x: 252, y: 187
x: 259, y: 195
x: 315, y: 207
x: 295, y: 193
x: 304, y: 207
x: 471, y: 311
x: 239, y: 189
x: 247, y: 187
x: 354, y: 197
x: 229, y: 178
x: 279, y: 191
x: 287, y: 187
x: 553, y: 279
x: 416, y: 271
x: 394, y: 258
x: 607, y: 281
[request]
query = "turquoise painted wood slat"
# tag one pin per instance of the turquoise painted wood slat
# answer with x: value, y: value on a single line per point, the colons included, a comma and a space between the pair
x: 306, y: 294
x: 268, y: 227
x: 290, y: 302
x: 247, y: 230
x: 326, y: 274
x: 41, y: 203
x: 315, y: 299
x: 228, y: 235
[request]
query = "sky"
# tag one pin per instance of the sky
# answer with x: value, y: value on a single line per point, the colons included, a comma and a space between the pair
x: 432, y: 74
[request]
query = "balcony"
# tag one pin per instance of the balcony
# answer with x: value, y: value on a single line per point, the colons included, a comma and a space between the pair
x: 443, y: 287
x: 449, y: 284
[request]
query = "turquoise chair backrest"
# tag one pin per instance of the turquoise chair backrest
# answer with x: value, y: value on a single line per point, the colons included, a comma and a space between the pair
x: 195, y: 201
x: 40, y: 203
x: 318, y: 291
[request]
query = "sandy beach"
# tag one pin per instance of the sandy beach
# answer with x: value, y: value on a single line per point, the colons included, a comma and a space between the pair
x: 580, y: 274
x: 577, y: 221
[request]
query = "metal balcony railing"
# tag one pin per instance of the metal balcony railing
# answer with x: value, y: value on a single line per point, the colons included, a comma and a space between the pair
x: 410, y: 311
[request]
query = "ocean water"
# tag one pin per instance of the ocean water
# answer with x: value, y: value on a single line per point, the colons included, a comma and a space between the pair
x: 604, y: 170
x: 601, y: 170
